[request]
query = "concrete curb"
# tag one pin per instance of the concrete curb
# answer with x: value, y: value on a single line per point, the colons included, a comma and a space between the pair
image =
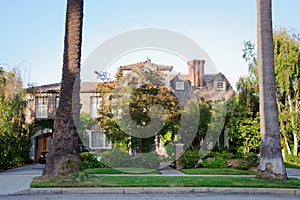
x: 158, y: 190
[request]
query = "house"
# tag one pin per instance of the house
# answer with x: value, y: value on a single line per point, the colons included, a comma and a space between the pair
x: 196, y: 84
x: 42, y: 102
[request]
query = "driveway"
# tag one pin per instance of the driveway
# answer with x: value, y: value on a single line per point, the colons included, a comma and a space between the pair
x: 14, y: 180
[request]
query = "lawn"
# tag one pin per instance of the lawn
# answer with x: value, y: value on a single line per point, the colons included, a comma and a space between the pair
x: 83, y: 180
x: 120, y: 171
x: 218, y: 171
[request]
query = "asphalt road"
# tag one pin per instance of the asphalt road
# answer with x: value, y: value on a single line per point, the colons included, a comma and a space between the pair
x: 150, y: 197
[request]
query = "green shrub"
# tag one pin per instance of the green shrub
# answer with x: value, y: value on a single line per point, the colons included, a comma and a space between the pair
x: 89, y: 161
x: 251, y: 158
x: 147, y: 160
x: 189, y: 159
x: 225, y: 155
x: 115, y: 158
x: 216, y: 162
x: 292, y: 159
x: 170, y: 149
x: 239, y: 164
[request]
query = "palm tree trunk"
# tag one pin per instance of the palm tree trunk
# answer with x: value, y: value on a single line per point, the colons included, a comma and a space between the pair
x: 271, y: 162
x: 63, y: 157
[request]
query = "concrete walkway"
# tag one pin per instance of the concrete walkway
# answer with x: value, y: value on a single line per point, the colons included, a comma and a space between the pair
x: 18, y: 179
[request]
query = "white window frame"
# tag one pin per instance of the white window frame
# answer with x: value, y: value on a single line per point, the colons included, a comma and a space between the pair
x: 106, y: 144
x: 56, y: 102
x: 179, y: 85
x: 41, y: 107
x: 220, y: 85
x: 95, y: 102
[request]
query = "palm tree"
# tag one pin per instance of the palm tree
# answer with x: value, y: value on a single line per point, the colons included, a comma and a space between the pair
x: 271, y: 162
x: 63, y: 157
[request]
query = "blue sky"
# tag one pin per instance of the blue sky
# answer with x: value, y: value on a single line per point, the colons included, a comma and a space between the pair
x: 32, y: 31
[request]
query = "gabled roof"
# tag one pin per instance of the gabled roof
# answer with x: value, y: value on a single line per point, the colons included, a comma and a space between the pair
x: 141, y: 64
x: 55, y: 87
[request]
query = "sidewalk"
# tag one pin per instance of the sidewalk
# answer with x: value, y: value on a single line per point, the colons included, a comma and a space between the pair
x: 17, y: 182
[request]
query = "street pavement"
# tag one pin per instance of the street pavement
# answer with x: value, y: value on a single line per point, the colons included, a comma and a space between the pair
x: 17, y: 182
x: 202, y: 196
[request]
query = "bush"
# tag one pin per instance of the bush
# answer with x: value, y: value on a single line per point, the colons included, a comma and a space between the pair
x: 89, y: 161
x: 115, y: 158
x: 147, y: 160
x: 225, y: 155
x: 216, y: 162
x: 189, y: 159
x: 170, y: 149
x: 239, y: 164
x: 292, y: 159
x: 251, y: 158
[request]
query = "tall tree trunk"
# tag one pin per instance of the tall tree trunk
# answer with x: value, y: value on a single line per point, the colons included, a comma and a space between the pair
x: 63, y: 157
x: 271, y: 162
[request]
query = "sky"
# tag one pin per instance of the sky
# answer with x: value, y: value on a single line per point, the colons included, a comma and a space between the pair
x: 32, y: 32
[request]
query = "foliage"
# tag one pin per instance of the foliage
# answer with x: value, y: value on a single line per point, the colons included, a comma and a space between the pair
x: 242, y: 115
x: 216, y: 162
x: 148, y: 161
x: 225, y: 155
x: 14, y: 132
x: 205, y: 109
x: 170, y: 149
x: 115, y: 158
x: 287, y: 72
x: 89, y: 161
x: 132, y: 103
x: 189, y: 158
x: 243, y: 111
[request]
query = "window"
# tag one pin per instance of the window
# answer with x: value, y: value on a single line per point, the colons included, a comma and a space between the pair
x: 96, y: 139
x: 220, y: 85
x: 179, y: 85
x: 56, y: 102
x: 41, y: 107
x: 94, y: 106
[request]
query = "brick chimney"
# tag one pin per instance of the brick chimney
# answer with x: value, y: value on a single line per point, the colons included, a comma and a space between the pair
x: 191, y: 72
x: 196, y: 72
x: 201, y: 73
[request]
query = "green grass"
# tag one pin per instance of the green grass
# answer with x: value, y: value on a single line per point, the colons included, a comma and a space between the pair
x: 291, y: 165
x: 81, y: 180
x: 224, y: 171
x: 120, y: 171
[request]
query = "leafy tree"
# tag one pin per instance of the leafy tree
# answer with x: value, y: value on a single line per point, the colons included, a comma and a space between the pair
x: 287, y: 71
x: 135, y: 98
x: 243, y: 109
x: 14, y: 132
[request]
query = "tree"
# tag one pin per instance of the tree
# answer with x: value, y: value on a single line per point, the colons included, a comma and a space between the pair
x: 14, y: 132
x: 287, y: 71
x: 271, y: 162
x: 136, y: 96
x: 243, y: 109
x: 63, y: 157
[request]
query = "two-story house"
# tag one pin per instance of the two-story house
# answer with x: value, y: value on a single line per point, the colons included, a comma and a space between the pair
x: 41, y: 107
x: 43, y: 101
